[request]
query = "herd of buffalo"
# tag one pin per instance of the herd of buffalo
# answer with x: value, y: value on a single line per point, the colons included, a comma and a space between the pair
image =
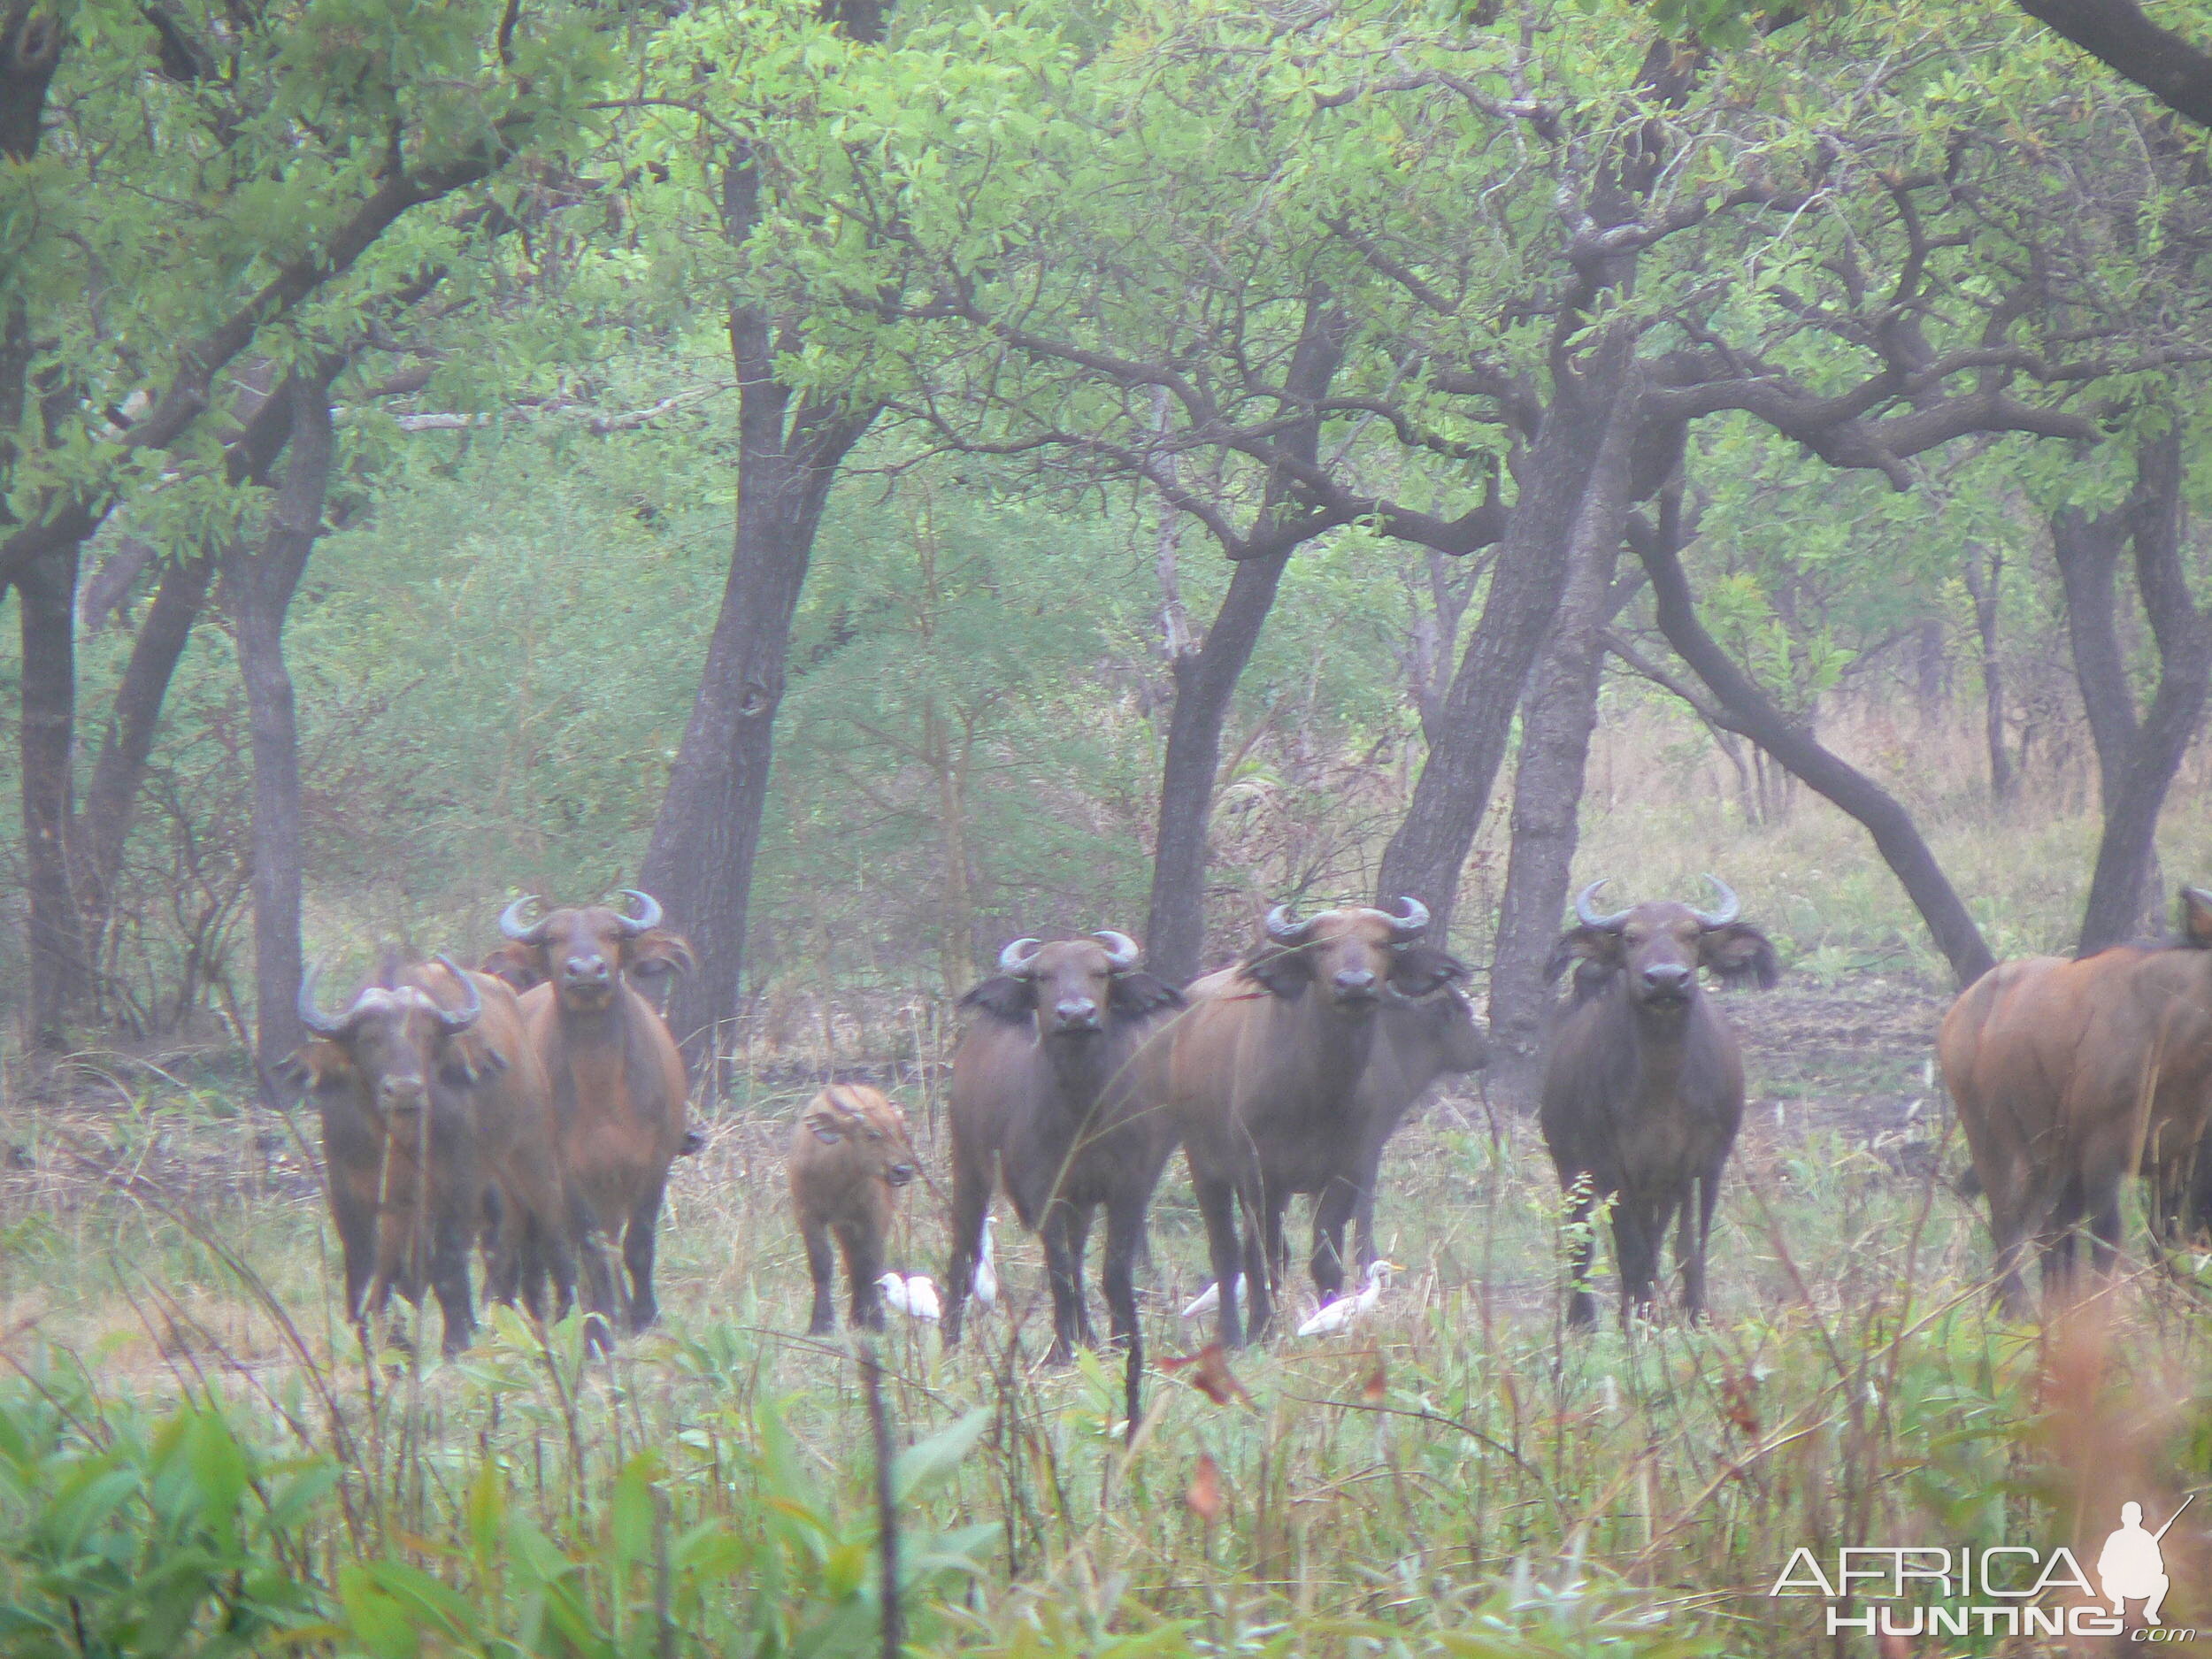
x: 531, y: 1107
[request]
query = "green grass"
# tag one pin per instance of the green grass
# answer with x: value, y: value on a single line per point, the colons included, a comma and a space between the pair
x: 196, y: 1458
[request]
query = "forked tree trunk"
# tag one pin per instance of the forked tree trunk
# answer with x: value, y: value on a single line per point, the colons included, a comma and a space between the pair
x: 1984, y: 581
x: 1750, y: 711
x: 61, y: 972
x: 2136, y: 758
x: 111, y: 799
x: 1574, y: 489
x: 1558, y: 714
x: 1205, y: 687
x: 258, y: 589
x: 1206, y: 683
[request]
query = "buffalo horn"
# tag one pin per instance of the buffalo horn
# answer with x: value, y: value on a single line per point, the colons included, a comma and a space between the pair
x: 1282, y: 930
x: 313, y: 1017
x: 511, y: 922
x: 1413, y: 923
x: 459, y: 1019
x: 1018, y: 956
x: 1589, y: 918
x: 649, y: 913
x: 1121, y: 950
x: 1731, y: 906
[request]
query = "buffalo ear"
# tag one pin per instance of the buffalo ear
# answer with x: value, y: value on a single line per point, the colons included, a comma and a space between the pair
x: 1282, y: 972
x: 1601, y: 946
x: 823, y: 1128
x: 1739, y: 953
x: 2196, y: 917
x: 516, y: 965
x: 1137, y: 994
x: 660, y: 952
x: 1418, y: 969
x: 1003, y: 997
x: 317, y: 1064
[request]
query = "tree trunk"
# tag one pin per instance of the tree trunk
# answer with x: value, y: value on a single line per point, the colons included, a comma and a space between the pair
x: 258, y: 589
x: 1983, y: 585
x: 2122, y: 895
x: 1206, y: 681
x: 1575, y: 489
x: 111, y: 797
x: 1205, y: 686
x: 61, y: 969
x: 2087, y: 551
x: 1751, y: 712
x: 1558, y: 713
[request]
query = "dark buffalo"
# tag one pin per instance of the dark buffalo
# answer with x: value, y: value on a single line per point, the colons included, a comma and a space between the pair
x: 2068, y: 1074
x: 1643, y: 1087
x: 1264, y: 1075
x: 1041, y: 1082
x: 617, y: 1076
x: 431, y: 1099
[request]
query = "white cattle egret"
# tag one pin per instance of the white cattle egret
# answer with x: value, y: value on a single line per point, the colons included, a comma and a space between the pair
x: 910, y: 1294
x: 1206, y: 1299
x: 1344, y: 1309
x: 984, y: 1287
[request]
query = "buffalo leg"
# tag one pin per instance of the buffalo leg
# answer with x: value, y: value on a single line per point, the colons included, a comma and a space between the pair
x: 638, y: 1243
x: 449, y: 1278
x: 971, y: 1205
x: 1690, y: 1242
x: 1063, y: 1267
x: 1582, y: 1242
x: 1637, y: 1235
x: 1124, y: 1234
x: 1217, y: 1207
x: 1267, y: 1259
x: 1333, y: 1209
x: 864, y: 1266
x: 356, y: 1243
x: 1079, y: 1220
x: 821, y: 1265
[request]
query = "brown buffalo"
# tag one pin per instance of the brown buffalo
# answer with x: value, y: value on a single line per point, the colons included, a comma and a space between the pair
x: 1041, y: 1083
x: 617, y: 1076
x: 1643, y: 1086
x: 432, y: 1100
x: 2067, y: 1075
x: 1263, y: 1075
x: 849, y: 1151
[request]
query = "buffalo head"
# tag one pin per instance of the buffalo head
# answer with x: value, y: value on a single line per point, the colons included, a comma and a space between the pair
x: 1656, y: 950
x: 1069, y: 986
x: 395, y: 1038
x: 585, y: 950
x: 1355, y: 956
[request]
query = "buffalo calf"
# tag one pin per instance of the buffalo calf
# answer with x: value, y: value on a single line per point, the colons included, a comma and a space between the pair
x: 848, y: 1151
x: 1643, y: 1086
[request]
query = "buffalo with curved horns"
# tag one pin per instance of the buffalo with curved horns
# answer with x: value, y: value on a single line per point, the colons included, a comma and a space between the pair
x: 1263, y: 1076
x: 435, y: 1112
x: 1042, y: 1085
x: 1643, y: 1087
x: 617, y: 1076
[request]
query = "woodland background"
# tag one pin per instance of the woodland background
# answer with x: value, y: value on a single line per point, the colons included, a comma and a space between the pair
x: 888, y: 480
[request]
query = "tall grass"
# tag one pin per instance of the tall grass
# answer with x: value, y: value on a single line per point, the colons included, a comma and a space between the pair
x: 196, y: 1457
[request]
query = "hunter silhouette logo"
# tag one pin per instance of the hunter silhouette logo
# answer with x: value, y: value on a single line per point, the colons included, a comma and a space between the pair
x: 2131, y: 1567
